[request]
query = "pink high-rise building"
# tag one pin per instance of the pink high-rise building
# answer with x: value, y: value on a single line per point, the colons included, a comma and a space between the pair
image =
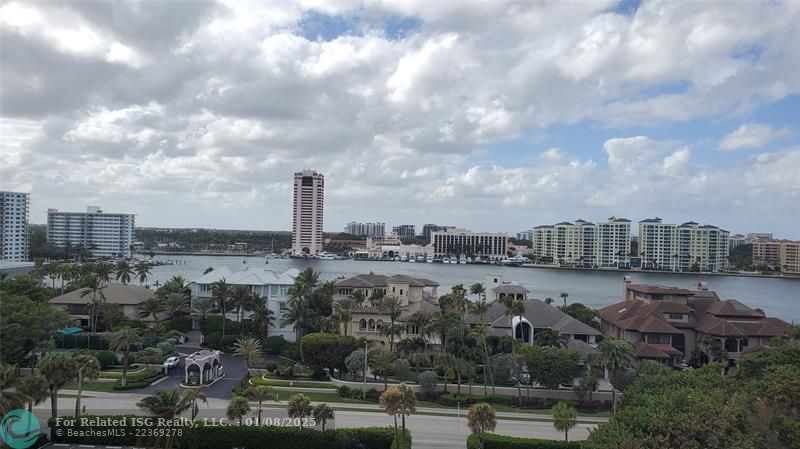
x: 309, y: 193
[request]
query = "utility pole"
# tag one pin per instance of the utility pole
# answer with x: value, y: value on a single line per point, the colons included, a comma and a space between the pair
x: 366, y: 351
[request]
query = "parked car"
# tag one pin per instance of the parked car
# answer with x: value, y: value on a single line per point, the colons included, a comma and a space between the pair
x: 172, y: 362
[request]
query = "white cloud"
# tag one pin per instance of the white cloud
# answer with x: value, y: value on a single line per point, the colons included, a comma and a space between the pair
x: 752, y: 135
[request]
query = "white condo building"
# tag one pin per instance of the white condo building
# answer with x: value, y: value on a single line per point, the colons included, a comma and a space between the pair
x: 309, y: 193
x: 14, y: 215
x: 582, y: 243
x: 272, y: 287
x: 686, y: 247
x: 376, y: 229
x: 103, y: 234
x: 454, y: 242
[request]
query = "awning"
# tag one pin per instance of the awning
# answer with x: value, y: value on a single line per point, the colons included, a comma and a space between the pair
x: 70, y: 330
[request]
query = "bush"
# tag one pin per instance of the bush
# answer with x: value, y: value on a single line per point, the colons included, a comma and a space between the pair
x: 106, y: 359
x: 427, y: 381
x: 270, y: 437
x: 492, y: 441
x: 212, y: 340
x: 401, y: 368
x: 138, y: 380
x: 274, y: 344
x: 214, y: 324
x: 226, y: 343
x: 533, y: 402
x: 180, y: 323
x: 346, y: 392
x: 270, y: 366
x: 451, y: 400
x: 594, y: 406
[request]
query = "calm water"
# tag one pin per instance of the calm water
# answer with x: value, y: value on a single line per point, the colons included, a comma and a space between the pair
x: 778, y: 297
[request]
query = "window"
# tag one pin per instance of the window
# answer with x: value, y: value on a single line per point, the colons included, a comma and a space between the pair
x: 282, y: 305
x: 362, y: 325
x: 676, y: 316
x: 658, y: 339
x: 380, y: 325
x: 401, y: 292
x: 371, y: 326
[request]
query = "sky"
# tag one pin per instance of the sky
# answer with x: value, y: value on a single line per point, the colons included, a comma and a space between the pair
x: 494, y: 116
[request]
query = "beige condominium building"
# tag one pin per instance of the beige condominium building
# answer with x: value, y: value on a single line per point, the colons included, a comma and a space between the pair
x: 686, y: 247
x: 783, y: 255
x: 309, y: 196
x: 582, y: 243
x: 103, y: 234
x: 455, y: 242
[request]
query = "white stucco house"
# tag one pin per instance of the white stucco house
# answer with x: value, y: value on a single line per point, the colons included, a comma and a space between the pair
x: 272, y: 287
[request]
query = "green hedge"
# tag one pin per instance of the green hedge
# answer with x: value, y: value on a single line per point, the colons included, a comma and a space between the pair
x: 140, y: 380
x: 493, y: 441
x: 230, y: 437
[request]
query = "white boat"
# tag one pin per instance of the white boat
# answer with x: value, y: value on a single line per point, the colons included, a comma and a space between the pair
x: 462, y: 259
x: 429, y: 259
x: 412, y: 260
x: 325, y: 256
x: 397, y: 258
x: 454, y: 259
x: 404, y: 258
x: 445, y: 260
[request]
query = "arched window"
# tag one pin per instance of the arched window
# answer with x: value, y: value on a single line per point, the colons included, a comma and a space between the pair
x: 731, y: 345
x: 362, y: 325
x: 523, y: 332
x: 380, y: 325
x: 371, y: 325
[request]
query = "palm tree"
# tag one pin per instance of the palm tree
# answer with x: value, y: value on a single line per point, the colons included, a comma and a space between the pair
x: 548, y: 301
x: 167, y: 405
x: 445, y: 361
x: 220, y: 295
x: 381, y: 364
x: 462, y: 368
x: 241, y: 298
x: 299, y: 407
x: 550, y: 337
x: 103, y: 271
x: 614, y: 354
x: 11, y: 396
x: 142, y: 272
x: 258, y: 394
x: 564, y: 418
x: 196, y: 394
x: 399, y: 400
x: 481, y: 418
x: 88, y: 368
x: 151, y: 306
x: 201, y: 309
x: 64, y: 271
x: 93, y: 285
x: 58, y: 369
x: 238, y: 408
x: 176, y: 303
x: 322, y: 413
x: 564, y: 296
x: 394, y: 307
x: 264, y: 318
x: 479, y: 290
x: 34, y: 388
x: 124, y: 272
x: 422, y: 320
x: 249, y: 349
x: 481, y: 308
x: 122, y: 340
x: 343, y: 309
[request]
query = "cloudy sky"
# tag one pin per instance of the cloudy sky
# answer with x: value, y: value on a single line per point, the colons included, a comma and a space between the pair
x: 494, y: 115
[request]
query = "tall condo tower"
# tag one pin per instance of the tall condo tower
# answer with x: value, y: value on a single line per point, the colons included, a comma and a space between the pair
x: 14, y: 214
x: 309, y: 193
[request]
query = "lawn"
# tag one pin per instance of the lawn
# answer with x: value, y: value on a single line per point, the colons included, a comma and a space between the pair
x: 291, y: 383
x: 107, y: 387
x: 316, y: 396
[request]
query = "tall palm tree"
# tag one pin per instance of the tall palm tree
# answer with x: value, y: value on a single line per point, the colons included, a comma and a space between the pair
x: 614, y: 354
x: 422, y: 320
x: 259, y: 393
x: 220, y: 295
x: 241, y: 299
x: 548, y: 301
x: 103, y: 271
x: 10, y: 395
x: 64, y: 271
x: 195, y: 395
x: 343, y: 310
x: 564, y: 296
x: 142, y: 272
x: 122, y: 340
x: 58, y: 369
x: 201, y: 309
x: 238, y: 408
x: 479, y: 332
x: 565, y: 417
x: 322, y: 413
x: 249, y: 349
x: 124, y: 272
x: 92, y: 284
x: 151, y: 306
x: 175, y: 304
x: 479, y: 290
x: 514, y: 308
x: 550, y: 337
x: 34, y: 388
x: 264, y: 318
x: 394, y: 307
x: 481, y: 418
x: 87, y: 367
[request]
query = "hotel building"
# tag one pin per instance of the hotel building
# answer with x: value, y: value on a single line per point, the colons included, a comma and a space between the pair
x: 686, y: 247
x: 780, y: 254
x: 102, y: 234
x: 602, y: 245
x: 309, y: 192
x: 456, y: 242
x: 14, y: 214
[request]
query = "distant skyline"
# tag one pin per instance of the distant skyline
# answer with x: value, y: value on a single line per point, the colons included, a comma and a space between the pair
x: 494, y: 116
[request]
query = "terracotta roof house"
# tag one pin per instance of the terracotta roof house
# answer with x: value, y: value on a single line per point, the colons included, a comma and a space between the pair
x: 665, y: 323
x: 127, y: 297
x: 369, y: 317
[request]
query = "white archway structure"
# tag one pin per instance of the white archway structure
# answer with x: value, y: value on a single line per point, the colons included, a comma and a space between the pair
x: 202, y: 367
x: 524, y: 326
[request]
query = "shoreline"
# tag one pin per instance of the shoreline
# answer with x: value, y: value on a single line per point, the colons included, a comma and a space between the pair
x: 702, y: 273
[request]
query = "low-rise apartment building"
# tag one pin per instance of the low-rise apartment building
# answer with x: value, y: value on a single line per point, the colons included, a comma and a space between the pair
x: 455, y: 242
x: 271, y: 287
x: 783, y: 255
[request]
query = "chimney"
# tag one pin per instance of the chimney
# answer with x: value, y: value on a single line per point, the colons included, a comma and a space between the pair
x: 626, y: 282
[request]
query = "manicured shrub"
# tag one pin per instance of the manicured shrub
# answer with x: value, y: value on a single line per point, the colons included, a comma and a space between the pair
x: 274, y: 344
x: 270, y: 366
x: 226, y: 342
x: 533, y: 402
x: 212, y: 340
x: 427, y: 381
x: 492, y: 441
x: 180, y: 323
x: 594, y: 406
x: 106, y: 359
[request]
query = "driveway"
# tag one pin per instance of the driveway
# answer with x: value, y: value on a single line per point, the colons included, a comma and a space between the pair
x: 234, y: 372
